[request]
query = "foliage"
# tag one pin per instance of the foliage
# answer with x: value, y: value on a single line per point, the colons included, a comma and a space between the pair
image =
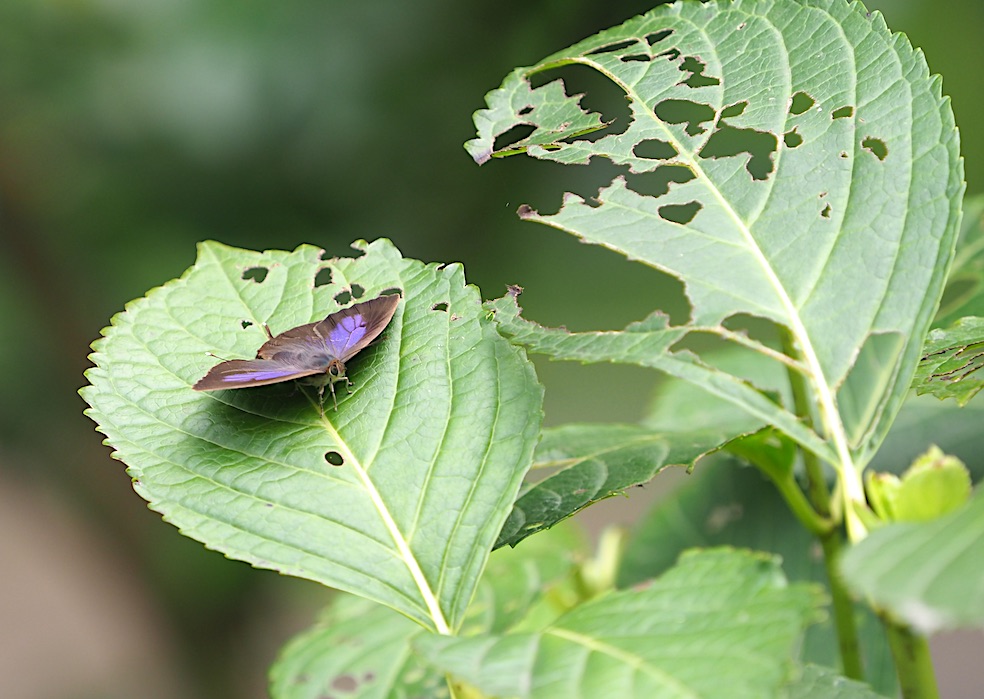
x: 795, y: 166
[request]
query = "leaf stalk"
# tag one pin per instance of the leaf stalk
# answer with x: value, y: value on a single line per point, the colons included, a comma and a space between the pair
x: 913, y: 663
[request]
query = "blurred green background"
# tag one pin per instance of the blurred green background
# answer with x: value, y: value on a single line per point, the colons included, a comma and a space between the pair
x: 132, y: 129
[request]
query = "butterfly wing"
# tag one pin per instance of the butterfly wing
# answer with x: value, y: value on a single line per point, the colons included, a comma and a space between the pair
x: 350, y: 330
x: 243, y: 373
x: 307, y: 349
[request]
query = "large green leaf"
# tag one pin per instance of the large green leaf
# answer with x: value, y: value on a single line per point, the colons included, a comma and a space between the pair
x: 726, y: 504
x: 722, y: 623
x: 792, y: 161
x: 361, y: 650
x: 929, y: 575
x: 397, y: 496
x: 358, y: 650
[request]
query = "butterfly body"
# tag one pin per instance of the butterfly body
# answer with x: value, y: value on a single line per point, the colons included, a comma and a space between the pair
x: 315, y: 352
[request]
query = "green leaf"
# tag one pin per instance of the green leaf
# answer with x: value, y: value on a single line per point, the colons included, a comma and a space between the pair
x: 678, y: 405
x: 792, y: 161
x: 727, y: 504
x: 362, y: 649
x: 722, y: 623
x: 589, y: 463
x: 952, y: 361
x: 931, y: 575
x: 934, y: 485
x: 433, y: 441
x: 359, y: 650
x: 823, y: 683
x: 647, y: 343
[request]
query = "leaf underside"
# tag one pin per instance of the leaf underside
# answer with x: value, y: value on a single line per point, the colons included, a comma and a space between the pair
x: 792, y: 161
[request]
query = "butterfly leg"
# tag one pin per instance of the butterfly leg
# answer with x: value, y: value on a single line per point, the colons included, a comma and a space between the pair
x: 334, y: 398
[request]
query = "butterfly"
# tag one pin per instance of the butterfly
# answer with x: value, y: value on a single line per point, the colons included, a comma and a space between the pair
x: 316, y: 352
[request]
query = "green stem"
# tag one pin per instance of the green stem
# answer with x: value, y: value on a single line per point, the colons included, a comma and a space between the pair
x: 816, y: 481
x: 913, y: 663
x: 815, y: 523
x: 845, y: 620
x: 831, y: 540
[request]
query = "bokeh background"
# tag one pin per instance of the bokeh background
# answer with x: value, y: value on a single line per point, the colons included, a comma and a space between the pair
x: 132, y: 129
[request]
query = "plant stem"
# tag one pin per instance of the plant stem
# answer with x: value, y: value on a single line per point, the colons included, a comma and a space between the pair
x: 913, y: 663
x: 845, y: 623
x: 813, y: 521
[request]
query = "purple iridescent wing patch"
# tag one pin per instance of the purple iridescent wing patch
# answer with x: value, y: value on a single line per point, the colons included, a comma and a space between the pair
x: 307, y: 350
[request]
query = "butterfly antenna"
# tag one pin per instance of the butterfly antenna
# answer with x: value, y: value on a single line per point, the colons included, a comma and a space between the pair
x: 267, y: 328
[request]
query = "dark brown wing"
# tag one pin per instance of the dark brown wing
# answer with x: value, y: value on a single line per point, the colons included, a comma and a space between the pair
x: 352, y: 329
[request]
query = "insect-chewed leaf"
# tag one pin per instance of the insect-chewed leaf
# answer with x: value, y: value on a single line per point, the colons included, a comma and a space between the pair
x: 399, y: 495
x: 791, y: 161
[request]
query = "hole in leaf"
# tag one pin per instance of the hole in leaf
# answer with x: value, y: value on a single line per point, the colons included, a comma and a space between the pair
x: 741, y: 26
x: 657, y: 183
x: 792, y: 139
x: 842, y: 113
x: 728, y: 141
x: 876, y: 147
x: 696, y: 78
x: 392, y: 291
x: 826, y: 212
x: 346, y: 684
x: 246, y: 324
x: 513, y: 136
x: 844, y: 154
x: 801, y: 103
x: 343, y: 297
x: 680, y: 213
x: 612, y: 48
x: 758, y: 329
x: 733, y: 110
x: 670, y: 54
x: 525, y: 110
x: 443, y: 306
x: 334, y: 458
x: 655, y: 149
x: 256, y: 274
x: 598, y: 94
x: 357, y: 291
x: 636, y: 58
x: 323, y: 277
x: 656, y: 37
x: 686, y: 112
